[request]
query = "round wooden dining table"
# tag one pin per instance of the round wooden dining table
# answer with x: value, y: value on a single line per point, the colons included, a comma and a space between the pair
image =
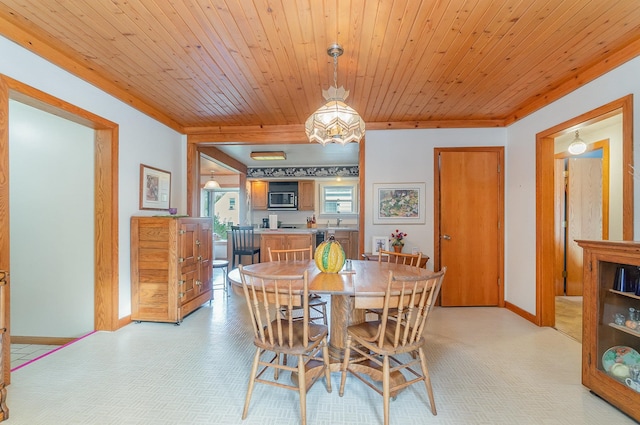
x: 351, y: 291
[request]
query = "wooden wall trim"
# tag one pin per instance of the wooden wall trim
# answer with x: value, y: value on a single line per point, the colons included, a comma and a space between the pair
x: 218, y: 155
x: 106, y: 236
x: 295, y: 133
x: 520, y: 312
x: 41, y: 340
x: 361, y: 180
x: 545, y: 291
x: 5, y: 291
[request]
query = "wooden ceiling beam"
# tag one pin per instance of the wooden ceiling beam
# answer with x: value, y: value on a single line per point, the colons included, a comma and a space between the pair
x: 294, y: 134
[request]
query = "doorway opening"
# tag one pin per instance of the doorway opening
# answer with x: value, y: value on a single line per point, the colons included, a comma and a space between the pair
x: 618, y: 214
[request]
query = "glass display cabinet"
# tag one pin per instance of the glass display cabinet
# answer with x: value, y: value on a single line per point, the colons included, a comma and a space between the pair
x: 611, y: 323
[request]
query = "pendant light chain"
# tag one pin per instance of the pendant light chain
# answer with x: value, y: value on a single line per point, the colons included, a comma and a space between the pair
x: 335, y: 70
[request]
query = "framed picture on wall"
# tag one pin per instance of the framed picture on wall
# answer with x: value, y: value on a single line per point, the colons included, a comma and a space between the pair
x: 155, y: 188
x: 379, y: 243
x: 396, y: 203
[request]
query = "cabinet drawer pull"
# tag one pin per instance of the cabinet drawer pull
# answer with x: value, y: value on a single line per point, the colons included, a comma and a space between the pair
x: 180, y: 294
x: 181, y: 282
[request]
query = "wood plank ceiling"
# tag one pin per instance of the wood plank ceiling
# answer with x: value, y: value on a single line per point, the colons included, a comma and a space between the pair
x: 199, y: 65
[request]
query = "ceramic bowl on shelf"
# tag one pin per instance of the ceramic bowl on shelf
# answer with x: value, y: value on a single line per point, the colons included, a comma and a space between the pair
x: 617, y: 360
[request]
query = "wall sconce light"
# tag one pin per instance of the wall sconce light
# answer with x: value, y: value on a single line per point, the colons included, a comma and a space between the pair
x: 268, y: 156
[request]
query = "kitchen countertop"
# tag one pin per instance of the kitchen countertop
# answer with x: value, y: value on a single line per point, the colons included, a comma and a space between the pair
x: 262, y: 231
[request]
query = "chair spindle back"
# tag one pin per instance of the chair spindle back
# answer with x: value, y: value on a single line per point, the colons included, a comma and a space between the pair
x: 413, y: 297
x: 266, y: 295
x: 400, y: 258
x: 291, y: 254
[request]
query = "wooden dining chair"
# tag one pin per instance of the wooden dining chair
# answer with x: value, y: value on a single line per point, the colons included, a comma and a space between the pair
x: 381, y: 342
x: 398, y: 258
x: 242, y: 243
x: 275, y: 336
x: 317, y: 306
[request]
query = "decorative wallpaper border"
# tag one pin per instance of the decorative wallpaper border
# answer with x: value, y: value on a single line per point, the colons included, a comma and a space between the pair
x: 342, y: 171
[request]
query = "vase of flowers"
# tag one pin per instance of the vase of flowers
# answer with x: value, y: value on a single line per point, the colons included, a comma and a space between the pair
x: 397, y: 240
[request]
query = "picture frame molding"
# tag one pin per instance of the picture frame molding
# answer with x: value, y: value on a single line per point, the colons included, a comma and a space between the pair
x: 155, y: 188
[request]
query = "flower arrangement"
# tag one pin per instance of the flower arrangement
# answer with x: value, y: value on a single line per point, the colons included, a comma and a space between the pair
x: 397, y: 238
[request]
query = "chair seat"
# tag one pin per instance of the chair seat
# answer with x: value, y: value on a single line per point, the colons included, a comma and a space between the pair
x: 316, y: 333
x: 216, y: 264
x: 366, y: 334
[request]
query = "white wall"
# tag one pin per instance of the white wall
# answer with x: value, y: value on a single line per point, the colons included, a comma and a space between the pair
x: 520, y: 196
x: 397, y: 156
x: 51, y: 211
x: 142, y: 140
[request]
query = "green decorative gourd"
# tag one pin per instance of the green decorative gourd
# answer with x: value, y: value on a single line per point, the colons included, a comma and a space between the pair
x: 329, y: 256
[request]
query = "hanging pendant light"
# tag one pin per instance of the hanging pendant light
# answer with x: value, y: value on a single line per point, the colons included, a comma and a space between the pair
x: 211, y: 184
x: 335, y: 121
x: 578, y: 146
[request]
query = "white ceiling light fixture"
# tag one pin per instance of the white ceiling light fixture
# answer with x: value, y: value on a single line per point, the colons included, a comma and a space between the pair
x: 268, y: 156
x: 578, y: 146
x: 335, y: 121
x: 211, y: 184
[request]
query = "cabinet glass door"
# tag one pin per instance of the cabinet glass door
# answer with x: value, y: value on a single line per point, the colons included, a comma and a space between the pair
x: 618, y: 331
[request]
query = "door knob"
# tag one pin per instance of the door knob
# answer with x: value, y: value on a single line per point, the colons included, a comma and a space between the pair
x: 446, y: 237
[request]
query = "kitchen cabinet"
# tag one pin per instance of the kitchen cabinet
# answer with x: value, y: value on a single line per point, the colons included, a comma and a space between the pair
x: 284, y: 241
x: 170, y: 267
x: 306, y: 195
x: 259, y: 195
x: 601, y: 334
x: 348, y: 239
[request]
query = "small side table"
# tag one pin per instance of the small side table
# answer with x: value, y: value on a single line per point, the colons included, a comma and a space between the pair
x: 224, y: 265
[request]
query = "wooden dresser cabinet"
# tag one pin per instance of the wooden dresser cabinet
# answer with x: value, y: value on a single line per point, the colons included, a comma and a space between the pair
x: 170, y: 267
x: 601, y: 335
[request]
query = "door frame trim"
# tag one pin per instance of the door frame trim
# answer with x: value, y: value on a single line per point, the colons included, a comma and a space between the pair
x: 545, y: 243
x: 436, y: 208
x: 106, y: 304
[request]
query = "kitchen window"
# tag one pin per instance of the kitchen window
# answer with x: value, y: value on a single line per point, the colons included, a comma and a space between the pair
x: 339, y: 198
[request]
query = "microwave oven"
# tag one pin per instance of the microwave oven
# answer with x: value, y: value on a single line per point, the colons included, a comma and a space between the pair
x: 283, y: 200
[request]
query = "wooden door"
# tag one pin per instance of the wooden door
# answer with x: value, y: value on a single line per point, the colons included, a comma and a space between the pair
x: 270, y: 241
x: 259, y: 195
x: 470, y: 225
x: 298, y: 241
x: 584, y: 215
x: 306, y: 195
x: 344, y: 238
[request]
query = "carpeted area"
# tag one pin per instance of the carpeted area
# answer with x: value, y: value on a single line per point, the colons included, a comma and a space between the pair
x: 569, y: 316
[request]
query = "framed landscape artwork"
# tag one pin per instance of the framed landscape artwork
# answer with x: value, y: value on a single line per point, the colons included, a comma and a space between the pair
x: 396, y: 203
x: 155, y: 188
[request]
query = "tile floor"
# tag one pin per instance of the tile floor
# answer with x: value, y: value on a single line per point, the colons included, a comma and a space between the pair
x: 22, y: 354
x: 488, y: 366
